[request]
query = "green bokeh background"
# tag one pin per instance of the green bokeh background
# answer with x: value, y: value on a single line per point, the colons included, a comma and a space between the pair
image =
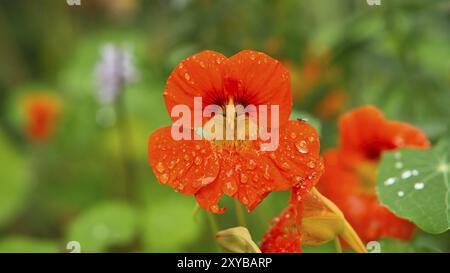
x: 72, y: 188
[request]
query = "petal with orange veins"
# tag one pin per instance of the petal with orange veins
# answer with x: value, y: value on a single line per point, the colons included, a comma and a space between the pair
x: 255, y: 78
x: 185, y: 165
x: 198, y: 76
x: 243, y: 175
x: 250, y: 174
x: 297, y: 157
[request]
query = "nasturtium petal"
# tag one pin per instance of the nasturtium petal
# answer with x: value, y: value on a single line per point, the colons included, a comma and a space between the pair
x: 415, y: 185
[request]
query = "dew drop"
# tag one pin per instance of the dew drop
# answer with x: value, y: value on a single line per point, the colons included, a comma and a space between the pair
x: 197, y: 147
x: 400, y: 194
x: 160, y: 167
x: 244, y: 178
x: 285, y: 165
x: 251, y: 164
x: 202, y: 64
x: 419, y: 185
x: 187, y: 76
x: 406, y: 174
x: 266, y: 173
x: 398, y: 165
x: 293, y: 135
x: 229, y: 173
x: 230, y: 188
x: 311, y: 164
x: 302, y: 147
x: 389, y: 181
x: 164, y: 178
x: 415, y: 172
x: 171, y: 164
x: 255, y: 178
x: 245, y: 201
x: 197, y: 160
x: 207, y: 180
x: 186, y: 157
x: 214, y: 208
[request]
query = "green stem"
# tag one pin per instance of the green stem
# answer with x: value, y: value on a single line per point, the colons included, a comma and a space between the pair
x: 240, y: 214
x: 126, y: 147
x: 214, y: 228
x: 337, y: 244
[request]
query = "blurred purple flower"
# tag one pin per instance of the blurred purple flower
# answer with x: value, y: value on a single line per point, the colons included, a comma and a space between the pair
x: 113, y: 72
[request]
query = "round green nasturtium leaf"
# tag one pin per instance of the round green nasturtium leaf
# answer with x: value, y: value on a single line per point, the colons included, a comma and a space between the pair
x: 169, y: 225
x: 414, y: 184
x: 105, y: 225
x: 19, y: 244
x: 14, y: 182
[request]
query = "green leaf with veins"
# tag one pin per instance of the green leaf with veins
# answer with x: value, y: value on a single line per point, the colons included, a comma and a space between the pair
x: 414, y: 184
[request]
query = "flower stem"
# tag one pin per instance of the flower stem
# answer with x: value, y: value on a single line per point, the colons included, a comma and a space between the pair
x: 214, y: 228
x: 240, y: 214
x: 337, y: 244
x: 126, y: 147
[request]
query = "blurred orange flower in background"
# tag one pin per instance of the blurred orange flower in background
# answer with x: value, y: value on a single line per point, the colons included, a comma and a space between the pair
x: 240, y: 169
x: 41, y: 114
x: 350, y: 175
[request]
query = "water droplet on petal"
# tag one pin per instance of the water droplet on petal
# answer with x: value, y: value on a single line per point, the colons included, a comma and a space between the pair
x: 245, y: 201
x: 251, y: 164
x: 164, y: 178
x: 293, y: 135
x: 186, y: 157
x: 160, y: 167
x: 207, y: 180
x: 214, y: 208
x: 197, y: 160
x: 255, y: 178
x: 311, y: 164
x: 197, y: 147
x: 302, y: 147
x: 244, y: 178
x: 187, y: 76
x: 229, y: 188
x: 285, y: 165
x: 171, y: 164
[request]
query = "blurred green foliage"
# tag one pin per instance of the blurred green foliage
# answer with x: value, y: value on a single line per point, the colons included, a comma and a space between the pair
x: 73, y: 187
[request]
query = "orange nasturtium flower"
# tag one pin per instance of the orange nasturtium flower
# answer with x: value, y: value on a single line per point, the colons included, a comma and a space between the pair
x: 41, y: 114
x: 349, y: 179
x: 313, y: 220
x: 208, y: 169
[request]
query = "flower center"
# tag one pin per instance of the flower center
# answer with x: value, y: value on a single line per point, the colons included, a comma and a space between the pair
x: 234, y: 128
